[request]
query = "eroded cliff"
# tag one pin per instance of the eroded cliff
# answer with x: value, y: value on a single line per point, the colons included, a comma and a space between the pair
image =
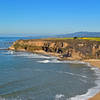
x: 70, y: 48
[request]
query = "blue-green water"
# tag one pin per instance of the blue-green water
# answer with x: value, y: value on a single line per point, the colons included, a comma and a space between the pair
x: 27, y: 76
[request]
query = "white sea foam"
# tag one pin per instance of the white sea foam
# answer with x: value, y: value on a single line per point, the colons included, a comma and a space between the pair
x: 49, y: 61
x: 59, y: 96
x: 57, y: 61
x: 9, y: 52
x: 45, y: 61
x: 29, y: 55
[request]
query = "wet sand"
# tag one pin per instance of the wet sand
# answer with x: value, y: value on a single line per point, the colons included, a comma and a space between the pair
x: 96, y: 97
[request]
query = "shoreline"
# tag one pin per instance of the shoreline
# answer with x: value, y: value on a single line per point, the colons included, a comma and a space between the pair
x: 96, y: 97
x: 92, y: 62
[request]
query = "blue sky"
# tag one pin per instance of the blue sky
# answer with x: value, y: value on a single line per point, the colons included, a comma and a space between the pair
x: 49, y: 16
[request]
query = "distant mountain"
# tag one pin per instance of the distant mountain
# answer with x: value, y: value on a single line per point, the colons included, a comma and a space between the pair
x: 81, y: 34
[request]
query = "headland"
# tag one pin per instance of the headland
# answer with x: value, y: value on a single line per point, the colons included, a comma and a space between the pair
x: 69, y: 49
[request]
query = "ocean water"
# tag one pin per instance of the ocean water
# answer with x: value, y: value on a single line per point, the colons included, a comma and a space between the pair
x: 27, y: 76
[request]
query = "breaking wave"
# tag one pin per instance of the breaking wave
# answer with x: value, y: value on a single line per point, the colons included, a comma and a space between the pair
x: 57, y: 61
x: 29, y: 55
x: 59, y: 97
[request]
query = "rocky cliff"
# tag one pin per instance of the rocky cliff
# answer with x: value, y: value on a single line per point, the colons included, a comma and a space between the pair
x: 70, y: 48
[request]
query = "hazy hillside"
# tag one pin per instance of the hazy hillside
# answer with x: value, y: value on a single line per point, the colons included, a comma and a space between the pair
x: 81, y: 34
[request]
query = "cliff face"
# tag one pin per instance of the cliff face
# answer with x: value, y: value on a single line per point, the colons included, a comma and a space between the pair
x: 71, y: 48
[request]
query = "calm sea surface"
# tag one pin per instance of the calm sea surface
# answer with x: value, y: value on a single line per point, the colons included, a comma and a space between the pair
x: 27, y: 76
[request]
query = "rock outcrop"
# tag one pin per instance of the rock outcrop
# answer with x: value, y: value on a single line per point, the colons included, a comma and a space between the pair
x: 68, y: 49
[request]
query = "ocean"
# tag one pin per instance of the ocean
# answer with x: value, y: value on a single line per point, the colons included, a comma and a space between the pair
x: 28, y: 76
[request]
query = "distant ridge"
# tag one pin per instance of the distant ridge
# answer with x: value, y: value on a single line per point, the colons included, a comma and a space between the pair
x: 81, y: 34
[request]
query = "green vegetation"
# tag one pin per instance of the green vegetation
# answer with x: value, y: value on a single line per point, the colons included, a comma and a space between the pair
x: 85, y: 38
x: 58, y: 38
x: 91, y: 38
